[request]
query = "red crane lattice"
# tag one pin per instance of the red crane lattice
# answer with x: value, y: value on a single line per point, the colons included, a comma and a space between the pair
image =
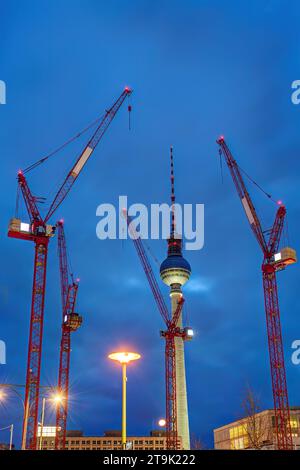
x: 172, y: 331
x: 269, y: 267
x: 71, y: 321
x: 39, y: 232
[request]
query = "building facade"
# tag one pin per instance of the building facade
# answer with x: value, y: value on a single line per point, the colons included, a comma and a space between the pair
x: 111, y: 440
x: 255, y: 432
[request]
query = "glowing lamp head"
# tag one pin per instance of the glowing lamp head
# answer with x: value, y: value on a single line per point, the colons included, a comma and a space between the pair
x: 189, y: 333
x: 279, y: 202
x: 2, y: 395
x: 57, y: 398
x: 124, y: 357
x: 221, y: 139
x: 162, y: 422
x: 128, y: 89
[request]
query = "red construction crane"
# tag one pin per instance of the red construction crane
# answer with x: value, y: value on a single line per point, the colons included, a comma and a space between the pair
x: 39, y: 232
x: 71, y: 321
x: 273, y: 261
x: 172, y: 331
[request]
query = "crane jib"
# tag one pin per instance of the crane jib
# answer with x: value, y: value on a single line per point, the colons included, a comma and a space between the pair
x: 248, y: 211
x: 81, y: 161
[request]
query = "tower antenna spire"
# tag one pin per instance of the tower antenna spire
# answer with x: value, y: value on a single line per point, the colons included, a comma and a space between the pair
x: 172, y: 193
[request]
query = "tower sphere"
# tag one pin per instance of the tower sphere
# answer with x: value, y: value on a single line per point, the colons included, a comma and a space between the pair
x: 175, y: 269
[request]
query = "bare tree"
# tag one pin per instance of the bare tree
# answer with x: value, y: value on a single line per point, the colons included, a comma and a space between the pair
x: 196, y: 443
x: 256, y: 424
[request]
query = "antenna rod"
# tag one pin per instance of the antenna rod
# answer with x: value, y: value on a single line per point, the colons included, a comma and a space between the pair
x: 172, y: 194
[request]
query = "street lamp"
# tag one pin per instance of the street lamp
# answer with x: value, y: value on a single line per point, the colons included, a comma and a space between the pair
x: 161, y: 423
x: 124, y: 358
x: 3, y: 396
x: 11, y: 431
x: 56, y: 399
x: 14, y: 388
x: 11, y: 426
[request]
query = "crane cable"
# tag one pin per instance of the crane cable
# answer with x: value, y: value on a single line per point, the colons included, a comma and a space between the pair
x: 151, y: 253
x: 221, y: 166
x: 17, y: 201
x: 58, y: 149
x: 269, y: 196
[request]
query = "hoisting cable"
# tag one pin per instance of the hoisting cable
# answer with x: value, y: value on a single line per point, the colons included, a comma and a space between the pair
x: 286, y: 232
x: 221, y: 165
x: 151, y: 253
x: 269, y: 196
x: 129, y: 113
x: 17, y: 201
x: 54, y: 152
x: 185, y: 315
x: 70, y: 267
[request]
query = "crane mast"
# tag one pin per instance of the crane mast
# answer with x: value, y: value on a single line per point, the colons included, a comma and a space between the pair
x: 71, y: 321
x: 172, y: 331
x: 272, y: 262
x: 40, y: 232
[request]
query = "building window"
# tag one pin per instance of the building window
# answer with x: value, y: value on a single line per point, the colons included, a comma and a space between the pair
x: 239, y: 437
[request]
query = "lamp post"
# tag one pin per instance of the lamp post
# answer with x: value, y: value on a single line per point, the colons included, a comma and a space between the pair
x: 55, y: 399
x: 11, y: 436
x: 14, y: 388
x: 11, y: 431
x: 124, y: 358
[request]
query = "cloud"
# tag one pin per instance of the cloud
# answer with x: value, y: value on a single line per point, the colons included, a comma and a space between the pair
x: 199, y: 284
x: 134, y: 283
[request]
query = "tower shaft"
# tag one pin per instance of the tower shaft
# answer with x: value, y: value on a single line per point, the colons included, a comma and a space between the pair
x: 181, y: 392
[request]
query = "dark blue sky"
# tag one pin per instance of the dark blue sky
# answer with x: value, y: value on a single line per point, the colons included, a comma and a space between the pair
x: 198, y: 69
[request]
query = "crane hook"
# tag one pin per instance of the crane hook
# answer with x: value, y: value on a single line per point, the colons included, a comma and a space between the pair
x: 129, y: 116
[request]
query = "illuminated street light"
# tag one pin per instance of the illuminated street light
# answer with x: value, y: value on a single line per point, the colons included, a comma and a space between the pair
x: 162, y: 422
x: 124, y: 358
x: 56, y: 398
x: 15, y: 389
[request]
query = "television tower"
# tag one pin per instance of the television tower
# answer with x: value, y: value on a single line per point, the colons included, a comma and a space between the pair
x: 175, y: 272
